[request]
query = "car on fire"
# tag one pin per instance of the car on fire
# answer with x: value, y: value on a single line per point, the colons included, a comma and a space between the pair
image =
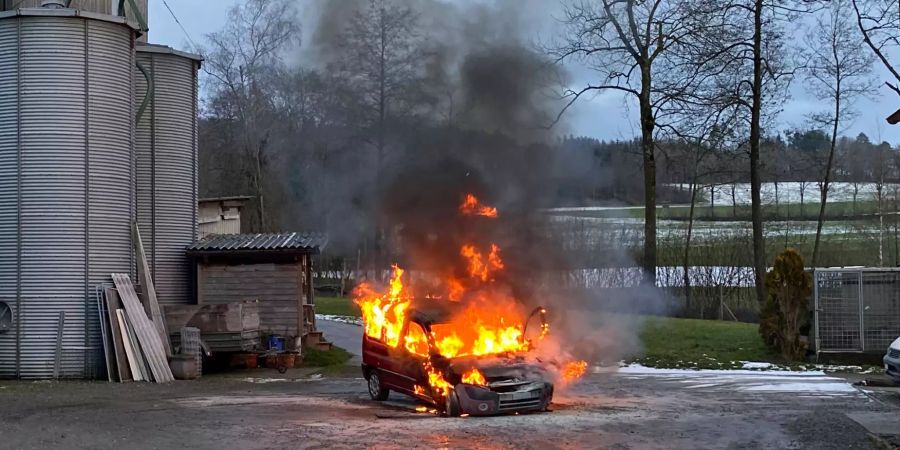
x: 501, y: 383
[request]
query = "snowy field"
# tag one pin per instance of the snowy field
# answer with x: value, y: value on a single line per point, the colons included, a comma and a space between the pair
x: 702, y: 229
x: 810, y: 383
x: 789, y: 192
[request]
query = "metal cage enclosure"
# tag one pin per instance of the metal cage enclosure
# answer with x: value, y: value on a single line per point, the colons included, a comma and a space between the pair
x: 857, y: 310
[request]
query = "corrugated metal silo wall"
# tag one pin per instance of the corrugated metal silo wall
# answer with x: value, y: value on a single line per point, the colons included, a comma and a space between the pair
x: 8, y: 192
x: 166, y: 151
x: 67, y: 203
x: 97, y: 6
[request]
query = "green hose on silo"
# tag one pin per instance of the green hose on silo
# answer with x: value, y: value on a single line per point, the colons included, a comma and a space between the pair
x: 137, y: 13
x: 150, y: 92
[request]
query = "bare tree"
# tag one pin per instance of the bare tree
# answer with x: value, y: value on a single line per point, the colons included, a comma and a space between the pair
x: 743, y: 52
x: 238, y: 60
x: 882, y: 166
x: 838, y: 70
x: 623, y: 41
x: 879, y: 22
x: 704, y: 141
x: 380, y: 58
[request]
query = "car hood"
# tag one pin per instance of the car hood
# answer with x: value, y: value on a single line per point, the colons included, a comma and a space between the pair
x: 896, y: 344
x: 501, y: 369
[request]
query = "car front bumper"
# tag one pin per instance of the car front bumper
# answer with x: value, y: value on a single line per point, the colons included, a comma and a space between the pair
x: 482, y: 401
x: 892, y: 364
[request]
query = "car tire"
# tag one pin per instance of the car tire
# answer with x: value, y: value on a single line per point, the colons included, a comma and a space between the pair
x: 546, y: 406
x: 376, y: 389
x: 451, y: 406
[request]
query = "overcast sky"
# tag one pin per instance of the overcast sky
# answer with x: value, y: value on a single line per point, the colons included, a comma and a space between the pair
x: 606, y: 116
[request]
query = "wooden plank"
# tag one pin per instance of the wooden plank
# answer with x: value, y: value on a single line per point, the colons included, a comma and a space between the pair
x: 200, y: 277
x: 147, y: 334
x: 149, y: 292
x: 157, y: 366
x: 122, y: 365
x: 129, y: 347
x: 139, y: 357
x: 301, y: 299
x: 104, y: 334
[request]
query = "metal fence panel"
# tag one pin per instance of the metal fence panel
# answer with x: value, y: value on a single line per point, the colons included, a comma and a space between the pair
x: 857, y: 310
x: 881, y: 309
x: 838, y: 318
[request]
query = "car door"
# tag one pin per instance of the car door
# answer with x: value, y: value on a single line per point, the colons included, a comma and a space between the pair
x: 376, y: 354
x: 409, y: 359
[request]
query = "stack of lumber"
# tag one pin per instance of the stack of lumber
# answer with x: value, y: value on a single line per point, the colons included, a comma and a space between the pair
x: 135, y: 343
x: 133, y: 347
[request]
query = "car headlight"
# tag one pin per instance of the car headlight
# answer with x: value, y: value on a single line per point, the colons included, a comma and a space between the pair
x: 896, y: 343
x: 476, y: 393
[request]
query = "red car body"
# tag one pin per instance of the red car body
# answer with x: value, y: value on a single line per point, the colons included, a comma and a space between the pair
x: 512, y: 385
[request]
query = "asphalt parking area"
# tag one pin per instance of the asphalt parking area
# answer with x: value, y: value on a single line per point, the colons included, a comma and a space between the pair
x: 611, y: 408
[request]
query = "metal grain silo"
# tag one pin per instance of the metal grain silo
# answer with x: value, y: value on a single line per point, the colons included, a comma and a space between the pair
x: 131, y: 10
x: 66, y: 177
x: 166, y: 152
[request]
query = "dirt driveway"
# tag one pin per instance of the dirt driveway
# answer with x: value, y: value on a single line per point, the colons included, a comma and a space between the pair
x: 626, y: 409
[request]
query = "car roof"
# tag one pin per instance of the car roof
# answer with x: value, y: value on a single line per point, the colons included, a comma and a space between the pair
x: 427, y: 311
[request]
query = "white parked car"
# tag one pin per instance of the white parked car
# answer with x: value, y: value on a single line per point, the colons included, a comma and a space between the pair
x: 892, y: 360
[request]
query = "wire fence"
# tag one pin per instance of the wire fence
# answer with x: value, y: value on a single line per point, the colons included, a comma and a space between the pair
x: 856, y: 310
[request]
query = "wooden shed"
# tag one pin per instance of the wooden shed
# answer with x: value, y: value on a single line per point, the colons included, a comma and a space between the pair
x: 273, y: 269
x: 220, y: 215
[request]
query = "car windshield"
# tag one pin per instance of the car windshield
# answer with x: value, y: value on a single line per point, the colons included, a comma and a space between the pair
x: 416, y: 341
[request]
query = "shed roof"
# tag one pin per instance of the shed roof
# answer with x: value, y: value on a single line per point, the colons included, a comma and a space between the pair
x: 894, y: 118
x: 226, y: 199
x: 257, y: 243
x: 165, y: 49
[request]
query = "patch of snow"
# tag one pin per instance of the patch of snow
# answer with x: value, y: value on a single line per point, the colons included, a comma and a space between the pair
x: 801, y: 387
x: 810, y: 382
x: 267, y: 400
x: 637, y: 369
x: 280, y: 380
x: 343, y: 319
x: 750, y: 365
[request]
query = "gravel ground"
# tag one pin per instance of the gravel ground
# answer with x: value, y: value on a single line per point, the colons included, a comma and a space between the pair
x: 605, y: 410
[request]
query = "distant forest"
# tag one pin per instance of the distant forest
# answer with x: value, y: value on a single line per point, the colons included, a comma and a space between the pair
x: 593, y: 172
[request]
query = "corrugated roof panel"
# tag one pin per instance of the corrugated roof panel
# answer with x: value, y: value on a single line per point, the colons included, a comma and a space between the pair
x: 257, y: 242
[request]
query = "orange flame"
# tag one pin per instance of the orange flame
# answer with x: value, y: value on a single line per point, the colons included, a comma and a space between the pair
x: 436, y: 381
x: 574, y: 370
x: 415, y: 340
x: 474, y: 376
x: 479, y: 266
x: 383, y: 315
x: 472, y: 207
x: 489, y: 322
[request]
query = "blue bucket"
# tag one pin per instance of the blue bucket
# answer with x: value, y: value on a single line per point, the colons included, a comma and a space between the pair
x: 276, y: 343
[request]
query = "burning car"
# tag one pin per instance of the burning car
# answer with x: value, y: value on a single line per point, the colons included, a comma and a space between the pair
x: 457, y: 336
x: 475, y: 385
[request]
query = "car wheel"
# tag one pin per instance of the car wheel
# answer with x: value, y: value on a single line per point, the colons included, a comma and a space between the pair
x: 377, y: 390
x: 451, y: 406
x: 546, y: 406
